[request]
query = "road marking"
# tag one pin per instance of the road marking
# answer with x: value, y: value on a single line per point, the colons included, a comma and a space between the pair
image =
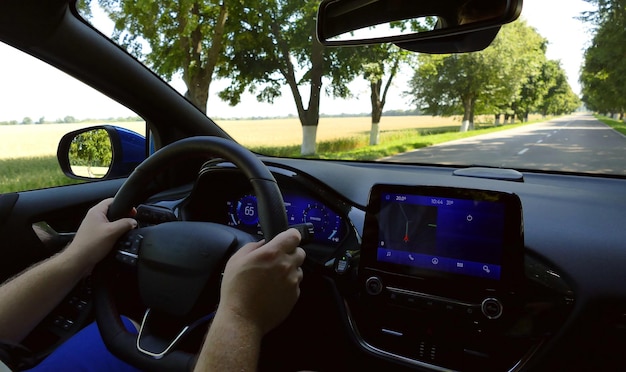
x: 539, y: 141
x: 523, y: 151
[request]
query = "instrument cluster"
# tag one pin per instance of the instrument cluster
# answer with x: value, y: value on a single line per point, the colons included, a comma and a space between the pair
x: 223, y: 195
x: 329, y: 227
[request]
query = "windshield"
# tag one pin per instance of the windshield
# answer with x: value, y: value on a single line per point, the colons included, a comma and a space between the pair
x: 546, y: 95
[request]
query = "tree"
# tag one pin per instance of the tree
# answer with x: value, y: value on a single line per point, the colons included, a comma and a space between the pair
x: 603, y: 76
x: 91, y: 149
x: 27, y: 120
x: 384, y: 60
x: 276, y: 47
x: 481, y: 82
x: 558, y: 98
x: 380, y: 61
x: 183, y: 36
x: 547, y: 91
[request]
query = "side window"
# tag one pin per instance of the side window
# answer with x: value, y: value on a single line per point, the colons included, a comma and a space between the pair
x: 38, y: 105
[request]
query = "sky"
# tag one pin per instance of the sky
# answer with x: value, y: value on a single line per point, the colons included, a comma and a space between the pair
x: 22, y: 95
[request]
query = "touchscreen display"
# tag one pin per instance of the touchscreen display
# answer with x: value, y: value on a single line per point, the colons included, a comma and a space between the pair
x: 463, y: 232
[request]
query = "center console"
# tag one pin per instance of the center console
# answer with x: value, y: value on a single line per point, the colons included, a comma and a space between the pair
x: 441, y: 278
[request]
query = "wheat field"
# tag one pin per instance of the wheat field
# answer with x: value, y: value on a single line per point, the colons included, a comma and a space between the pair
x: 18, y: 141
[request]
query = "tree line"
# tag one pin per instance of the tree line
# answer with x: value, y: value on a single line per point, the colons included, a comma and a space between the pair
x: 69, y: 120
x: 511, y: 78
x: 603, y: 77
x: 262, y: 46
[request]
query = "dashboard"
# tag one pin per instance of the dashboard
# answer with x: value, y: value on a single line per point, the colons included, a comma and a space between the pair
x: 435, y: 275
x: 550, y: 297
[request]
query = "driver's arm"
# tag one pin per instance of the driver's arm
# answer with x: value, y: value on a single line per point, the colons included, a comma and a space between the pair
x: 30, y: 296
x: 261, y: 284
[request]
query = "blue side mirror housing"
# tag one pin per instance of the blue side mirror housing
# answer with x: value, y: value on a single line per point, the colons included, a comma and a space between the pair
x: 101, y: 152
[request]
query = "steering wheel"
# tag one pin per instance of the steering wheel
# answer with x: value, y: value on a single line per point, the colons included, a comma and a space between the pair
x: 176, y: 260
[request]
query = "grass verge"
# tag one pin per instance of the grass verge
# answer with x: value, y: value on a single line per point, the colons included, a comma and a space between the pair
x: 391, y: 143
x: 619, y: 126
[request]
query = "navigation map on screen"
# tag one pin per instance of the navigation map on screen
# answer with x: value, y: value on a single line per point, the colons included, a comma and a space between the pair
x: 461, y: 236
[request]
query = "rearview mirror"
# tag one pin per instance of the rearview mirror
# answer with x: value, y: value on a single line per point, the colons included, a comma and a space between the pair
x: 360, y: 22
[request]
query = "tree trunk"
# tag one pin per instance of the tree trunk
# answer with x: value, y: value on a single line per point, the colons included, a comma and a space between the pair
x: 309, y: 117
x: 468, y: 114
x: 309, y: 137
x: 375, y: 134
x: 378, y: 102
x: 497, y: 121
x: 198, y: 94
x: 377, y: 111
x: 197, y: 74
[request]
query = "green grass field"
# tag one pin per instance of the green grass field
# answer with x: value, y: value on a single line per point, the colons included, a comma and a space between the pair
x: 31, y: 173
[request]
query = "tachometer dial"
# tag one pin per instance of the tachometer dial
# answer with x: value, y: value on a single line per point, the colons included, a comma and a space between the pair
x: 327, y: 225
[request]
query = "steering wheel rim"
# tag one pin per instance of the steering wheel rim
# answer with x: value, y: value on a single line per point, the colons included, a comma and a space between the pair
x: 272, y: 218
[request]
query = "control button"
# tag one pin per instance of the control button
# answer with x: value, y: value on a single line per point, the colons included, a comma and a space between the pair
x: 470, y: 310
x: 78, y: 303
x: 126, y: 258
x: 374, y: 285
x: 451, y: 307
x: 342, y: 266
x: 431, y: 304
x: 491, y: 308
x: 395, y: 298
x: 135, y: 244
x: 63, y: 323
x: 412, y: 301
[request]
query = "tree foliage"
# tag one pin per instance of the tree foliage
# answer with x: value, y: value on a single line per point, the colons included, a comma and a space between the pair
x: 174, y: 36
x: 276, y: 46
x: 92, y: 149
x: 507, y: 77
x: 603, y: 76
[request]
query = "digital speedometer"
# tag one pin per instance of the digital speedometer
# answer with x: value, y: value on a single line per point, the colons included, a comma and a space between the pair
x: 243, y: 211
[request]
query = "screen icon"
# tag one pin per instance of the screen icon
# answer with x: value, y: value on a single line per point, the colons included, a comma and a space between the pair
x: 486, y: 269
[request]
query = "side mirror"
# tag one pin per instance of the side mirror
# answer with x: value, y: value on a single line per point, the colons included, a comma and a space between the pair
x: 101, y: 152
x: 440, y: 26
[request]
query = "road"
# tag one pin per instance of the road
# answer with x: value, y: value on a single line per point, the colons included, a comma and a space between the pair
x: 576, y: 143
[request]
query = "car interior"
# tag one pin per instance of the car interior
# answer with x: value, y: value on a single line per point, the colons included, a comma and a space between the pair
x: 531, y: 276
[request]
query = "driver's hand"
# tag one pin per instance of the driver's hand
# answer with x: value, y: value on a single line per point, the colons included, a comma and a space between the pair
x: 261, y: 282
x: 97, y: 235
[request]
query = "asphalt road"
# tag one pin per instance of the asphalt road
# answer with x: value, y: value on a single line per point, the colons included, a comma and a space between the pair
x: 577, y: 143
